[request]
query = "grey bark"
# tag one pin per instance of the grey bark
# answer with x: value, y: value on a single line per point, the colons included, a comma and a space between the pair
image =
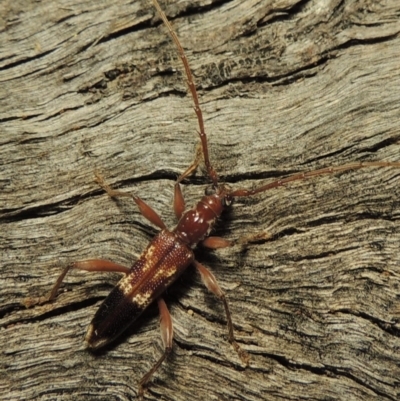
x: 285, y: 86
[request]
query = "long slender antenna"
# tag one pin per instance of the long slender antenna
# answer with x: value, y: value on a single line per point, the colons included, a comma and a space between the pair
x: 309, y: 174
x: 192, y: 88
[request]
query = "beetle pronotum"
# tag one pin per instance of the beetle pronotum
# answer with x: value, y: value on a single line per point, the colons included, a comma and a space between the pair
x: 132, y: 297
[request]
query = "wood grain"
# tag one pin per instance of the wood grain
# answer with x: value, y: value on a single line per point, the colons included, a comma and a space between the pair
x: 285, y: 86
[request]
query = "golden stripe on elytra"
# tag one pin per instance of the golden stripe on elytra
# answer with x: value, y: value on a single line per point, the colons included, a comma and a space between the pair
x: 125, y: 285
x: 168, y: 272
x: 142, y: 299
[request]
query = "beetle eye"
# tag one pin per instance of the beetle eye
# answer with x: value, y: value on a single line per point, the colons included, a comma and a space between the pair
x: 227, y: 200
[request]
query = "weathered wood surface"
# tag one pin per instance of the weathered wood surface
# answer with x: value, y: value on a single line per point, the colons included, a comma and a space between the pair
x: 285, y: 86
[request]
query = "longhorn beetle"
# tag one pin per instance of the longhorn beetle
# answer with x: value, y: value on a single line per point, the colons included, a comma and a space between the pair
x: 170, y: 252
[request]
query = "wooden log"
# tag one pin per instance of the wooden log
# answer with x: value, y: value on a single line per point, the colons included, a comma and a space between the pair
x: 285, y: 86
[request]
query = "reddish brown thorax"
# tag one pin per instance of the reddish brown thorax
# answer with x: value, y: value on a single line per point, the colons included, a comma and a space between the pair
x: 197, y: 223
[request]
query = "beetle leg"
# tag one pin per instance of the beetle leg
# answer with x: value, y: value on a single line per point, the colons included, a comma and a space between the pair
x: 147, y: 211
x: 216, y: 242
x: 260, y: 237
x: 219, y: 242
x: 211, y: 283
x: 179, y: 202
x: 166, y: 335
x: 192, y: 168
x: 90, y: 265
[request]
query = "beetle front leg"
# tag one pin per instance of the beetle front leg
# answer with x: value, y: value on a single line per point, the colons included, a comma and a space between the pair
x: 211, y: 283
x: 147, y: 211
x: 179, y: 202
x: 166, y: 335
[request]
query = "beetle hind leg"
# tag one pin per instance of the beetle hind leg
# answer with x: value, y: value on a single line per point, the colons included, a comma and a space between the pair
x: 90, y: 265
x: 166, y: 335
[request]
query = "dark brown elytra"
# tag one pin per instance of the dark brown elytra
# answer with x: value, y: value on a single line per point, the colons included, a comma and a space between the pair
x: 170, y: 252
